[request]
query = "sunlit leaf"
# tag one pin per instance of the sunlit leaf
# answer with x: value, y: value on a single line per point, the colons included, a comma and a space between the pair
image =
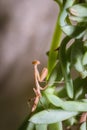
x: 68, y: 105
x: 51, y: 116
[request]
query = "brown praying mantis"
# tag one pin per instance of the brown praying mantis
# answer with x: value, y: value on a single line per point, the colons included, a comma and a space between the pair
x: 38, y: 79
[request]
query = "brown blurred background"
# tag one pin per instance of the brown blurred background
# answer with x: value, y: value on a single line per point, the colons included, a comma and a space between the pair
x: 26, y: 28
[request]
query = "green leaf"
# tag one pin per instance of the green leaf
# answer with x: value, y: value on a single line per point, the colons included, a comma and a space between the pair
x: 84, y: 60
x: 83, y: 126
x: 50, y: 116
x: 52, y: 53
x: 71, y: 121
x: 65, y: 65
x: 55, y: 126
x: 56, y: 75
x: 74, y: 31
x: 80, y: 88
x: 30, y: 126
x: 56, y: 101
x: 76, y: 106
x: 78, y: 19
x: 79, y: 10
x: 63, y: 14
x: 77, y: 53
x: 41, y: 126
x: 61, y: 92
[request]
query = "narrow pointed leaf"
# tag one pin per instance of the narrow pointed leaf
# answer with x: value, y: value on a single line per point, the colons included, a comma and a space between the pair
x: 68, y: 105
x: 65, y: 66
x: 51, y: 116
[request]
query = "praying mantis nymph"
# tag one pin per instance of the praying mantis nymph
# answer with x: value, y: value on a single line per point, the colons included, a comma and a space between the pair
x: 38, y: 79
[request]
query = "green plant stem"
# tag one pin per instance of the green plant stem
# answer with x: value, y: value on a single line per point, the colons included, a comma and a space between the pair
x: 55, y: 44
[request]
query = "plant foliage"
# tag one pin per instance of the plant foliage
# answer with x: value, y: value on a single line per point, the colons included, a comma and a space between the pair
x: 64, y: 100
